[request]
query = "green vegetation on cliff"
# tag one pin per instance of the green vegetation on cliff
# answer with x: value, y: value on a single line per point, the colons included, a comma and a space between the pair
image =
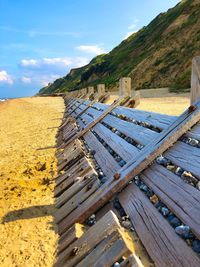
x: 159, y: 55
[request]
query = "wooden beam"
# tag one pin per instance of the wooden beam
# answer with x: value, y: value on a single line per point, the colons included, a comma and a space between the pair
x: 195, y: 80
x: 165, y: 140
x: 157, y: 235
x: 103, y: 228
x: 92, y: 124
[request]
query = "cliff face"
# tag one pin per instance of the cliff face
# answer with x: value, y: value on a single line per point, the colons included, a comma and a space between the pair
x: 159, y: 55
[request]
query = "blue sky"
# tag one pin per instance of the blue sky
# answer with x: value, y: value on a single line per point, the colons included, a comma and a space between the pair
x: 41, y: 40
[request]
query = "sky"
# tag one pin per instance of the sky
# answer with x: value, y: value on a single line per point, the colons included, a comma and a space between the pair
x: 41, y: 40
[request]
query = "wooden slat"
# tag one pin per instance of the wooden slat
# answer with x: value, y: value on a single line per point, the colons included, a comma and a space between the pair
x: 102, y: 156
x: 138, y: 133
x: 163, y: 245
x: 155, y: 119
x: 103, y: 228
x: 77, y: 169
x: 118, y: 144
x: 159, y: 120
x: 71, y: 235
x: 113, y: 254
x: 92, y: 124
x: 135, y: 166
x: 79, y: 184
x: 194, y: 132
x: 77, y: 199
x: 181, y: 198
x: 98, y: 251
x: 79, y: 172
x: 185, y: 156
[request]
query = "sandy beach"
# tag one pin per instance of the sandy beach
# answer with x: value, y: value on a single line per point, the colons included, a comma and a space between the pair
x: 28, y: 126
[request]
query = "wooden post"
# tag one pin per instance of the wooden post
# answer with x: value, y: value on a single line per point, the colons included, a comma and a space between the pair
x: 195, y: 80
x: 90, y: 90
x: 125, y: 87
x: 101, y: 90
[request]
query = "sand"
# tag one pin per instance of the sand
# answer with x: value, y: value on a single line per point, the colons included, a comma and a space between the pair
x: 28, y: 234
x: 169, y: 103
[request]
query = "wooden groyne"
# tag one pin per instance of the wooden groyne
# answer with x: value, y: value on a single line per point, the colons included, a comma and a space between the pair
x: 124, y: 170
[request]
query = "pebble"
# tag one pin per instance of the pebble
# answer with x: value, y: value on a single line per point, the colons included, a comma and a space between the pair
x: 91, y: 220
x: 144, y: 188
x: 183, y: 230
x: 116, y: 264
x: 103, y: 180
x: 196, y: 245
x: 162, y: 161
x: 198, y: 185
x: 179, y: 171
x: 121, y: 163
x: 165, y: 211
x: 154, y: 199
x: 126, y: 224
x: 171, y: 168
x: 193, y: 142
x: 174, y: 221
x: 190, y: 178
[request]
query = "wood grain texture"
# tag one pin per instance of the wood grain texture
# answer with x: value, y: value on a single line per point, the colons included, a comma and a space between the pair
x: 165, y: 140
x: 102, y: 156
x: 138, y: 133
x: 118, y: 144
x: 185, y: 156
x: 181, y: 198
x: 163, y: 245
x: 103, y: 228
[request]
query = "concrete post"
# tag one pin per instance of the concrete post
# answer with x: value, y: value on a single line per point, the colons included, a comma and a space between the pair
x: 125, y: 87
x: 90, y: 90
x: 195, y: 80
x: 101, y: 90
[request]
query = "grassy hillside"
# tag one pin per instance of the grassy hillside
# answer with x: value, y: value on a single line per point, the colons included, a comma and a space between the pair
x: 159, y: 55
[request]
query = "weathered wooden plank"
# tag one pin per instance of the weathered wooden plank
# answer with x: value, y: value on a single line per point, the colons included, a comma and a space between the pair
x: 77, y: 169
x: 102, y: 156
x: 118, y: 144
x: 99, y: 250
x: 113, y: 254
x: 138, y: 133
x: 159, y: 120
x: 71, y: 235
x: 92, y: 124
x: 77, y: 199
x: 185, y: 156
x: 194, y: 132
x: 72, y: 178
x: 165, y: 140
x: 163, y: 245
x: 78, y: 185
x: 103, y: 228
x: 181, y: 198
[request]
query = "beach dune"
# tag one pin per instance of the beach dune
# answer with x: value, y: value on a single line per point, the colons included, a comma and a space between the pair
x: 28, y: 234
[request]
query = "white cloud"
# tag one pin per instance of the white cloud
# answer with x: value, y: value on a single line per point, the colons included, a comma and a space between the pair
x: 5, y: 77
x: 37, y: 63
x: 132, y: 26
x: 129, y: 34
x: 91, y: 49
x: 81, y: 61
x: 25, y: 79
